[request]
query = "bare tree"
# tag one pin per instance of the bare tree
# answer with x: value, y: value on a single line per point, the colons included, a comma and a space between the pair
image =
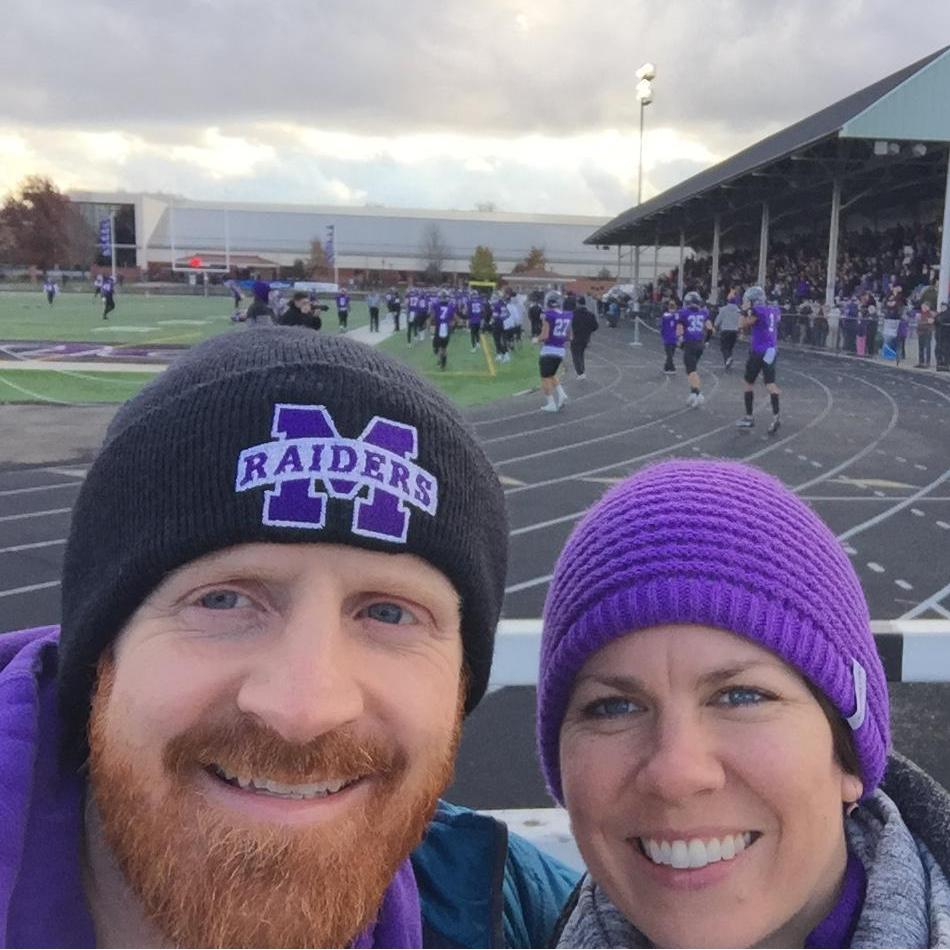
x: 318, y: 267
x: 433, y: 252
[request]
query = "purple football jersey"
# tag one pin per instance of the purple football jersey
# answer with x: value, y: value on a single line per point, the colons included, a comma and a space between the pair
x: 476, y: 311
x: 693, y: 323
x: 443, y: 312
x: 343, y: 301
x: 668, y: 326
x: 559, y: 328
x: 765, y: 328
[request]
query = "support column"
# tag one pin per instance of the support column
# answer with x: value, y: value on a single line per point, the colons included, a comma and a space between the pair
x: 943, y: 283
x: 636, y: 274
x: 832, y: 264
x: 763, y: 245
x: 619, y: 252
x: 714, y: 278
x: 679, y: 280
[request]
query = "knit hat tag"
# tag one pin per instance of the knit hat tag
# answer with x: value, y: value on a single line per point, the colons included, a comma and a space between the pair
x: 307, y: 448
x: 860, y: 676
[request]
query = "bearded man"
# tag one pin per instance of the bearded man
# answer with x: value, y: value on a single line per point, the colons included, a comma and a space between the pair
x: 280, y: 590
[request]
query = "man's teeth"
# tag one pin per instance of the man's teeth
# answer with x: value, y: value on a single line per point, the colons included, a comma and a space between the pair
x: 311, y: 790
x: 695, y: 853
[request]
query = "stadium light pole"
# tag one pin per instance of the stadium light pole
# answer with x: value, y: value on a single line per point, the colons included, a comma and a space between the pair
x: 112, y: 232
x: 645, y: 76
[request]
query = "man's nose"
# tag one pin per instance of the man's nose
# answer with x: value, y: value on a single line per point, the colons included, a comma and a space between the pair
x: 306, y: 683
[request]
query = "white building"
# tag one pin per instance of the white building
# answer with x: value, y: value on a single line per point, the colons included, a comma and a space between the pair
x: 172, y: 230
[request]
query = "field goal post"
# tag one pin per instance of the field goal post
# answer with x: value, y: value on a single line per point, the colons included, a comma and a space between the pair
x: 201, y: 263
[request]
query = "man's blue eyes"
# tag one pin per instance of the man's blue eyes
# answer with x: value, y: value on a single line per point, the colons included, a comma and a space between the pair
x: 221, y: 600
x: 381, y: 611
x: 388, y: 613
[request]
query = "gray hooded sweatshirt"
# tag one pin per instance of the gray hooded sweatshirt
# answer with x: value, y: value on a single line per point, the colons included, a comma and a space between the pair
x: 901, y: 835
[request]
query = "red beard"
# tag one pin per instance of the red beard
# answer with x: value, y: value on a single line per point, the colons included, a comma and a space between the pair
x: 207, y: 880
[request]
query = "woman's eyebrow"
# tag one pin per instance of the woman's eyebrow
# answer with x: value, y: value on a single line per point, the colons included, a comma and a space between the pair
x: 614, y: 681
x: 629, y: 683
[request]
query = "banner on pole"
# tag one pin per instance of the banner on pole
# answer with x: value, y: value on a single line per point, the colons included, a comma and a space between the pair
x: 105, y: 236
x: 328, y: 248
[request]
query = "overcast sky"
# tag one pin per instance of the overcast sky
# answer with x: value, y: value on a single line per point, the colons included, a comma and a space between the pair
x: 424, y: 103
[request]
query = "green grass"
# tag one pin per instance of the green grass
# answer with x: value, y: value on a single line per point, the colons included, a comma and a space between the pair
x: 59, y: 386
x: 137, y: 320
x: 467, y: 379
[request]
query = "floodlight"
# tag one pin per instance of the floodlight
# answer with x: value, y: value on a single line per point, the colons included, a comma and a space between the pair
x: 893, y: 148
x: 644, y: 92
x: 880, y: 147
x: 646, y: 71
x: 920, y: 150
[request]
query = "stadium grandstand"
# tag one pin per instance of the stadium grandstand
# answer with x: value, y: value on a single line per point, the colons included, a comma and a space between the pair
x: 392, y: 244
x: 853, y: 200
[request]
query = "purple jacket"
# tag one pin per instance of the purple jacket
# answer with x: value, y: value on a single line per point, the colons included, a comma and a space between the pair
x: 42, y: 903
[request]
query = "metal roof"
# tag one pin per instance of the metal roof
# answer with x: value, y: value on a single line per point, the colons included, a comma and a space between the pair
x: 637, y: 224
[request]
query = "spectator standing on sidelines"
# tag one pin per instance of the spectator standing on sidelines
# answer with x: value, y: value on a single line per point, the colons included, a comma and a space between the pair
x: 534, y: 314
x: 555, y: 335
x: 668, y: 334
x: 514, y: 315
x: 942, y: 333
x: 903, y: 329
x: 108, y: 296
x: 50, y: 289
x: 583, y: 324
x: 372, y: 301
x: 342, y: 309
x: 872, y: 329
x: 498, y: 314
x: 763, y: 319
x: 727, y: 324
x: 692, y: 326
x: 925, y: 333
x: 394, y: 306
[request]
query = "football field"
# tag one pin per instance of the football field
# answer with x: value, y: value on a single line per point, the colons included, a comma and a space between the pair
x: 150, y: 330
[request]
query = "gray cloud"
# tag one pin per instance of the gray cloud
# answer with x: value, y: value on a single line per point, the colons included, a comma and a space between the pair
x: 726, y: 67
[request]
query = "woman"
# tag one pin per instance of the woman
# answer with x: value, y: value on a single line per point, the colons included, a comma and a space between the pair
x: 713, y: 713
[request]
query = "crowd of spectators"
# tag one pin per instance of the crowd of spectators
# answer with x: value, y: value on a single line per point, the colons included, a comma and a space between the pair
x: 885, y: 291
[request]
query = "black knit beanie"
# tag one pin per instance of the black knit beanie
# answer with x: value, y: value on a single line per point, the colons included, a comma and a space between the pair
x: 238, y: 441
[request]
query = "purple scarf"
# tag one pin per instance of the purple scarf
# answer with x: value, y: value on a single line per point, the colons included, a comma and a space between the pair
x: 837, y: 929
x: 42, y: 902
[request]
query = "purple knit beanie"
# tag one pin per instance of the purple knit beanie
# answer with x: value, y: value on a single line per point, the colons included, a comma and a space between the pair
x: 723, y: 545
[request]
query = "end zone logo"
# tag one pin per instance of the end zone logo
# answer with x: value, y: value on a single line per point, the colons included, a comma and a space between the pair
x: 308, y: 449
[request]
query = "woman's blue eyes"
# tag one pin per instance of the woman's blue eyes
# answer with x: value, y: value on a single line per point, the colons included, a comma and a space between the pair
x: 741, y: 696
x: 613, y: 707
x: 610, y: 708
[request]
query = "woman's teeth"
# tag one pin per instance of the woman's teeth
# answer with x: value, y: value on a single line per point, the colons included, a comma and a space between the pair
x: 695, y: 853
x: 268, y: 787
